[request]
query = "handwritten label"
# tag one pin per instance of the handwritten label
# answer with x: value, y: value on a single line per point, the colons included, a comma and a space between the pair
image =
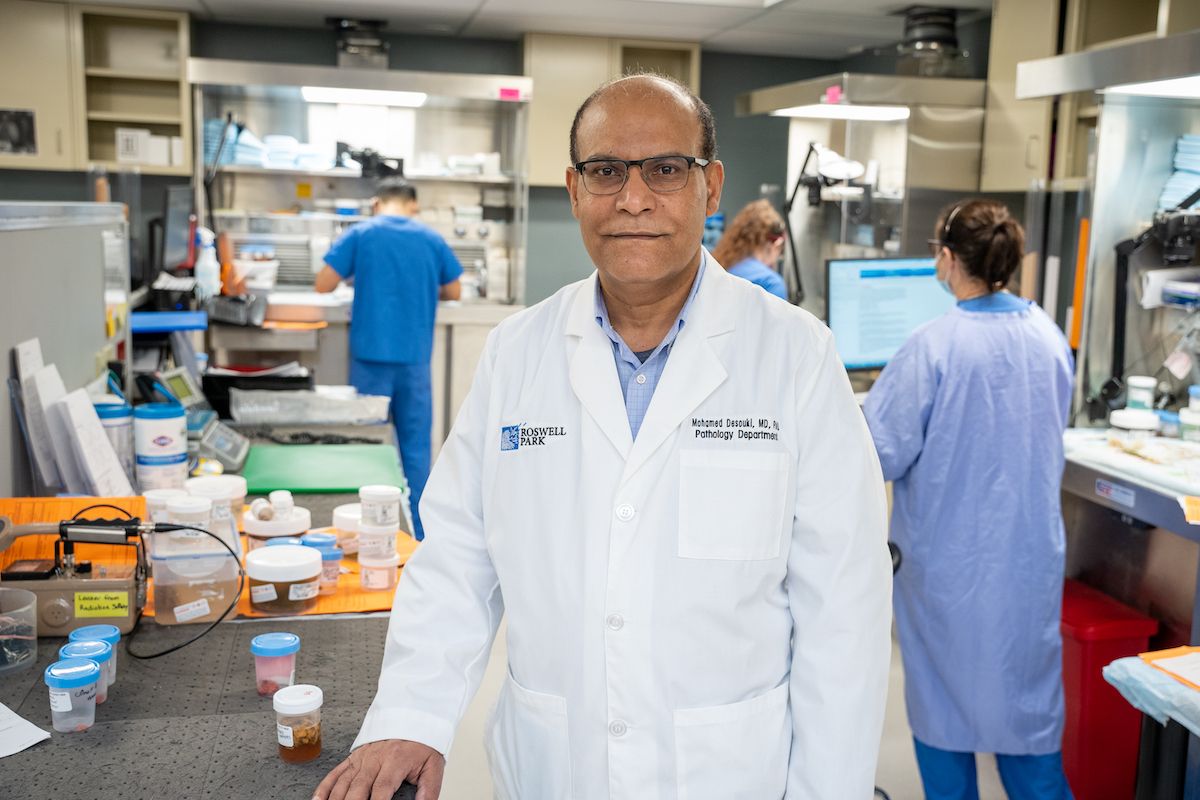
x: 101, y: 604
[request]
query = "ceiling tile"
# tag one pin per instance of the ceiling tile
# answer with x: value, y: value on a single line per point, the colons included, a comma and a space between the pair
x: 809, y: 45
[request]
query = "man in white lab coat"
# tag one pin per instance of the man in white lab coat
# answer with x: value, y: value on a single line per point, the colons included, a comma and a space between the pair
x: 661, y: 476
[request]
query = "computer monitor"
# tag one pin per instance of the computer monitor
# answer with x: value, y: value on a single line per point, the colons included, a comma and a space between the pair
x: 176, y: 226
x: 874, y: 305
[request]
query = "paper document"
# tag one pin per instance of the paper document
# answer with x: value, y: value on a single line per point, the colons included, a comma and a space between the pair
x: 101, y: 467
x: 29, y: 363
x: 16, y: 733
x: 1186, y: 667
x: 50, y: 392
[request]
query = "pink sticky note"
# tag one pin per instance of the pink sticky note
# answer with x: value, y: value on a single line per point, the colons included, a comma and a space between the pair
x: 509, y: 94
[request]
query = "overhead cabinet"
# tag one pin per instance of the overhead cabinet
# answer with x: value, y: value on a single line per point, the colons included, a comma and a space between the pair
x: 36, y: 104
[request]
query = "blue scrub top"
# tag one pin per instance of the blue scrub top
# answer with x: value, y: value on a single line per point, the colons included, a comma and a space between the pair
x: 760, y: 274
x: 398, y: 266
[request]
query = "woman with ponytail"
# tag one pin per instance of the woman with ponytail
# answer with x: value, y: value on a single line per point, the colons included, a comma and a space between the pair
x: 752, y: 243
x: 968, y: 419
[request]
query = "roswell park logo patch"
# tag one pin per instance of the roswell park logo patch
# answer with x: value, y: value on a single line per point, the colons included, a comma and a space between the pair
x: 514, y: 437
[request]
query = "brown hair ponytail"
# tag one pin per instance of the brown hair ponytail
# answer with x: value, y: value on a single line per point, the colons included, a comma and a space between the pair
x: 985, y: 237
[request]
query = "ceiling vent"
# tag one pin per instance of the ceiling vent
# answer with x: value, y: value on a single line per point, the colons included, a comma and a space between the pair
x: 360, y: 43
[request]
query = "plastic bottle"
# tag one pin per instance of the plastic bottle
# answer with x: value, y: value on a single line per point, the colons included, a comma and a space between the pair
x: 208, y: 268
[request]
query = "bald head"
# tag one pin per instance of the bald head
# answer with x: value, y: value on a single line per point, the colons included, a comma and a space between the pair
x: 652, y: 89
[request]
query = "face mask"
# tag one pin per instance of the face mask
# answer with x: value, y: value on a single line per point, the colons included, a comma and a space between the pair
x: 946, y: 285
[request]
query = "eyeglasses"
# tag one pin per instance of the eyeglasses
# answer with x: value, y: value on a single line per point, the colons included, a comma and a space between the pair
x: 661, y: 173
x: 935, y: 246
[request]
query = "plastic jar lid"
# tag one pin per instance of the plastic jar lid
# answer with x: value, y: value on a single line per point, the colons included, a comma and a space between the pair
x: 93, y: 649
x: 163, y: 495
x: 288, y: 540
x: 217, y: 487
x: 158, y: 411
x: 283, y: 564
x: 319, y: 539
x: 71, y: 673
x: 113, y: 410
x: 1141, y: 382
x: 275, y: 644
x: 299, y: 699
x: 347, y: 518
x: 365, y: 528
x: 380, y: 493
x: 103, y: 633
x: 378, y: 563
x: 293, y: 523
x: 1189, y: 416
x: 189, y: 505
x: 330, y: 553
x: 1134, y: 419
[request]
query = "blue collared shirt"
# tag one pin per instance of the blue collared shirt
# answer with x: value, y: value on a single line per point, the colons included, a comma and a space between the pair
x: 639, y: 378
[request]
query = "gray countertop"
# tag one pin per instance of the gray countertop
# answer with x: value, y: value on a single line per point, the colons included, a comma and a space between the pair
x: 191, y: 724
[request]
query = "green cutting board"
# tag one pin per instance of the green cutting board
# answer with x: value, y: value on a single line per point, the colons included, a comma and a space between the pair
x: 320, y: 468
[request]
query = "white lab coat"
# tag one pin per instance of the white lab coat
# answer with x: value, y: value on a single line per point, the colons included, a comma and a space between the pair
x: 695, y: 614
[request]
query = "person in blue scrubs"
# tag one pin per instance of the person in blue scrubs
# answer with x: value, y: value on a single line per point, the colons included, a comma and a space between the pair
x: 400, y: 268
x: 968, y: 419
x: 752, y: 242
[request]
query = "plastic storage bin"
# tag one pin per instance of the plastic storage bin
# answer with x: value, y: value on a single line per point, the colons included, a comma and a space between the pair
x: 193, y: 588
x: 18, y: 629
x: 1100, y: 742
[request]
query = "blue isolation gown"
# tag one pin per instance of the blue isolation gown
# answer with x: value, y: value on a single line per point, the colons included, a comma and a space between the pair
x: 968, y: 420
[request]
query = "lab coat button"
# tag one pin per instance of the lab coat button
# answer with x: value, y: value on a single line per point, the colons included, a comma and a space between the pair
x: 615, y: 622
x: 640, y: 379
x: 618, y: 728
x: 625, y: 512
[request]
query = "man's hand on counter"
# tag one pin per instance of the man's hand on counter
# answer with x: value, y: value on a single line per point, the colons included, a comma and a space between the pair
x: 376, y: 770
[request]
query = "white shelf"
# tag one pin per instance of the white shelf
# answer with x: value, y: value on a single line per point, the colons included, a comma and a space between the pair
x: 145, y: 169
x: 134, y: 118
x: 133, y: 75
x: 243, y: 169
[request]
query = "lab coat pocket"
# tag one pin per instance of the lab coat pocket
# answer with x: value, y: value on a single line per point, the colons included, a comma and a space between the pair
x: 735, y: 751
x: 731, y: 504
x: 527, y: 745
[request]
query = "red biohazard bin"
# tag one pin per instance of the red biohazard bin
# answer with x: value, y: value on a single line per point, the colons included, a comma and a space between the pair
x: 1100, y: 743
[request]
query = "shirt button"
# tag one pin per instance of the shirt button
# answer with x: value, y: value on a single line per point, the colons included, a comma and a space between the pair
x: 615, y: 622
x: 625, y: 512
x: 618, y: 728
x: 641, y: 378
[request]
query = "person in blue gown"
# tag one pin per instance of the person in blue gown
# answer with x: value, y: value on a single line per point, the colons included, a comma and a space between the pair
x: 751, y: 244
x: 400, y: 268
x: 968, y: 419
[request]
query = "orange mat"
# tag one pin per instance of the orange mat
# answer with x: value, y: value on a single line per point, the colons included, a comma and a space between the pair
x: 350, y: 597
x: 1158, y: 655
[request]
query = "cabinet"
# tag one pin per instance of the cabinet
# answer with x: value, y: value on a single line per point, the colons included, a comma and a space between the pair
x: 1016, y: 133
x: 566, y: 69
x: 36, y: 104
x: 131, y: 74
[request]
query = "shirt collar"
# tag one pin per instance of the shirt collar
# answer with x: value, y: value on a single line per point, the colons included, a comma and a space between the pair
x: 602, y: 311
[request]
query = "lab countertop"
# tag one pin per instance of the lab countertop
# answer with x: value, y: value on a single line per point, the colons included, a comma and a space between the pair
x: 191, y: 724
x: 334, y: 307
x: 1149, y: 488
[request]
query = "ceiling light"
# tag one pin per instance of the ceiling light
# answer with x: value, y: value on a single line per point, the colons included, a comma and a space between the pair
x: 1188, y: 87
x: 845, y: 111
x: 362, y: 97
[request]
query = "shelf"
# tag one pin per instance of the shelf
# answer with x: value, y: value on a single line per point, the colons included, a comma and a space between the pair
x: 132, y: 75
x: 244, y: 169
x: 134, y: 118
x: 145, y: 169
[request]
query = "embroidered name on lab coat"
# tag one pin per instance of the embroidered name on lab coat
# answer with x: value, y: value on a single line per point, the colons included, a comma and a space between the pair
x: 729, y: 428
x: 514, y: 437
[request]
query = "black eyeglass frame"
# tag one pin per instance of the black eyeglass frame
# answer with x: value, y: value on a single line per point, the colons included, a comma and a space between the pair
x: 691, y: 161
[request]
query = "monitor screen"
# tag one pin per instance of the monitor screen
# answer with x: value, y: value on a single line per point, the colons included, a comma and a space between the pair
x: 181, y: 388
x: 176, y: 226
x: 874, y: 305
